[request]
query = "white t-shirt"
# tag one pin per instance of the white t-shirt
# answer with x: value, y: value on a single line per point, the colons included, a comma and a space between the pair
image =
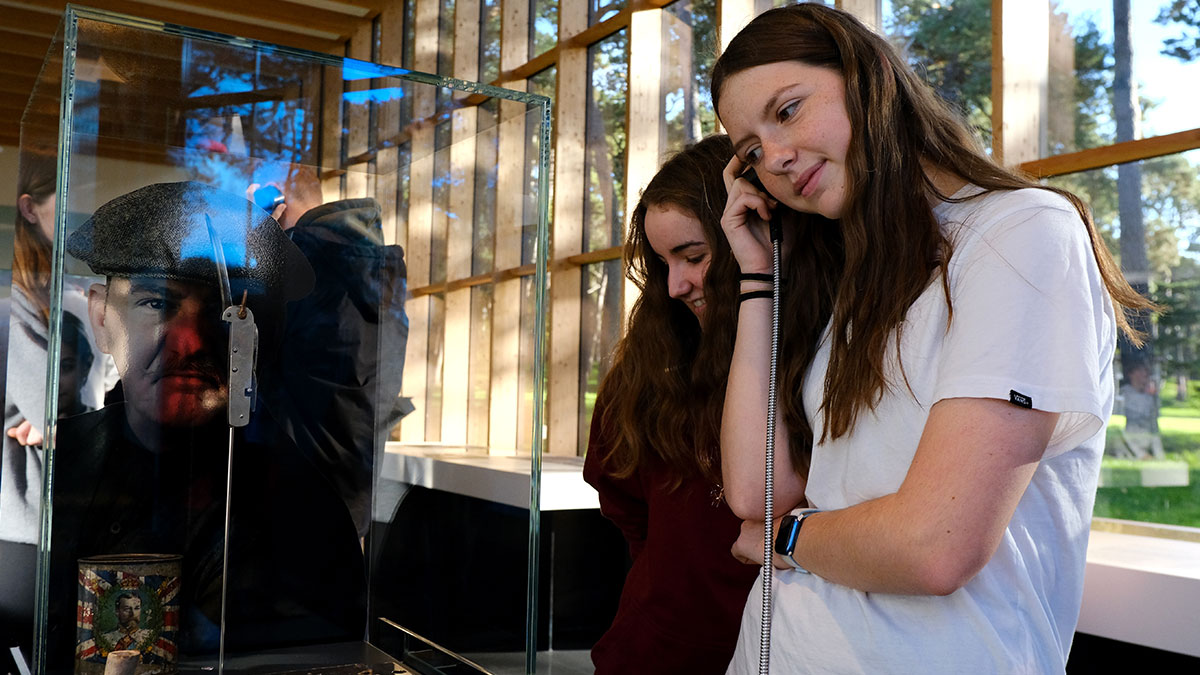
x: 1032, y: 316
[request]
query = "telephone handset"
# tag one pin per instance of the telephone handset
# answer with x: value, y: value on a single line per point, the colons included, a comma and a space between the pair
x: 776, y: 222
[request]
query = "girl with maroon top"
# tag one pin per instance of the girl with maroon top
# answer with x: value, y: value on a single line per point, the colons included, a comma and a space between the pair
x: 653, y: 453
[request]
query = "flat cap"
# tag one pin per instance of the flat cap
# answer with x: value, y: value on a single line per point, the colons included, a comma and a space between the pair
x: 161, y: 230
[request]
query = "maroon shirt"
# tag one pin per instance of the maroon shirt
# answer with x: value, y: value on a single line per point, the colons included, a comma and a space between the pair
x: 683, y: 597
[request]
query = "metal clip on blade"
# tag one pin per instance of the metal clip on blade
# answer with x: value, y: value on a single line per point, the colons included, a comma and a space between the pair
x: 243, y: 357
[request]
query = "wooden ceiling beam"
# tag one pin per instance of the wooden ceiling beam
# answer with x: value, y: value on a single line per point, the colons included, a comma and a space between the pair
x: 247, y: 23
x: 13, y: 63
x: 281, y: 14
x: 17, y: 84
x: 368, y: 9
x: 20, y: 43
x: 29, y: 21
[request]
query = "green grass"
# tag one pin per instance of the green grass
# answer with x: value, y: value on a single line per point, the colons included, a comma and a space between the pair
x: 1179, y: 424
x: 1168, y: 505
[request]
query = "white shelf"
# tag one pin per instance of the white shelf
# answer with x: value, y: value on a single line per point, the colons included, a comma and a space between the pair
x: 1143, y: 590
x: 498, y: 478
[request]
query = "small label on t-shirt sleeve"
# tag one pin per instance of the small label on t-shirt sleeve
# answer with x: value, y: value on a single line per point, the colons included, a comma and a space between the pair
x: 1017, y: 398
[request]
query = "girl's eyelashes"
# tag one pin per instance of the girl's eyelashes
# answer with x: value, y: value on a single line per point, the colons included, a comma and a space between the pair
x: 753, y: 155
x: 786, y: 112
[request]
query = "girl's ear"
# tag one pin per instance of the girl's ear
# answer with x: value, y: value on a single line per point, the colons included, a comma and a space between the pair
x: 26, y: 205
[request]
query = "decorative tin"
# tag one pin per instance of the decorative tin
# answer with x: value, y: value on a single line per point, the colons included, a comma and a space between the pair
x: 128, y: 602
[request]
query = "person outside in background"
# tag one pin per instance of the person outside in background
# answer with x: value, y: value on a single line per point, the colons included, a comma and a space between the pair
x: 959, y: 390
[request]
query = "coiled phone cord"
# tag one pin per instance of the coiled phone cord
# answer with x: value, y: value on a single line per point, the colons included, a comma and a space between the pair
x: 764, y: 646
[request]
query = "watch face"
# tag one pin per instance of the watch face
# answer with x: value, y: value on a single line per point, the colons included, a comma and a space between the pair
x: 785, y: 541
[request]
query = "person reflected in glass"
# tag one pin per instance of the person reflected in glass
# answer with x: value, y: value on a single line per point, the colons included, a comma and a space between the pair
x: 653, y: 448
x: 337, y: 390
x: 75, y: 362
x: 1139, y: 396
x: 148, y: 474
x: 960, y: 385
x: 28, y: 335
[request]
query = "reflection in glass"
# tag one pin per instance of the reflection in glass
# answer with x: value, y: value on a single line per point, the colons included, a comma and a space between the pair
x: 602, y: 10
x: 543, y: 17
x: 1098, y: 57
x: 153, y: 107
x: 541, y: 84
x: 1156, y: 416
x: 604, y: 167
x: 599, y: 331
x: 690, y: 30
x: 950, y: 45
x: 489, y: 40
x: 250, y: 105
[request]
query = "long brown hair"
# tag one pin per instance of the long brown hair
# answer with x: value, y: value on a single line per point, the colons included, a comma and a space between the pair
x: 666, y: 386
x: 31, y: 248
x: 889, y: 242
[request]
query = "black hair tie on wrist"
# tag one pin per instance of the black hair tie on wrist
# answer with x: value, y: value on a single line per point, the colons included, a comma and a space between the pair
x: 755, y: 276
x: 750, y: 295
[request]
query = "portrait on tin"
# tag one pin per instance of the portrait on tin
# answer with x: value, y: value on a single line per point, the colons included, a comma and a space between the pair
x: 129, y: 633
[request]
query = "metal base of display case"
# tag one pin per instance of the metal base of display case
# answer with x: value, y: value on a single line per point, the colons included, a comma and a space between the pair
x: 556, y: 662
x: 399, y: 652
x: 345, y: 658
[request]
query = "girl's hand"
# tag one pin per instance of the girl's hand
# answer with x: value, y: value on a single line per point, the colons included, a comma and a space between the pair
x: 745, y: 221
x: 25, y: 434
x: 748, y: 548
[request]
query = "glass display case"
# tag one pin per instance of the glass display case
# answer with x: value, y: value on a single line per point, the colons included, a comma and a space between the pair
x: 268, y: 318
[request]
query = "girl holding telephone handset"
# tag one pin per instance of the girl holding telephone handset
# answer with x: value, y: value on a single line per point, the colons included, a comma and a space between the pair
x: 957, y: 381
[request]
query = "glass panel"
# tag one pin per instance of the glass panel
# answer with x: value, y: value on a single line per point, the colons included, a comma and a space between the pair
x: 480, y: 366
x: 604, y: 206
x: 217, y: 444
x: 408, y: 52
x: 487, y: 167
x: 433, y: 367
x: 403, y: 190
x: 690, y: 28
x: 529, y: 372
x: 543, y: 19
x: 489, y: 40
x: 602, y: 10
x: 1094, y: 67
x: 442, y: 183
x: 1149, y: 213
x: 541, y: 84
x: 599, y: 331
x: 445, y: 54
x: 761, y: 6
x: 950, y: 45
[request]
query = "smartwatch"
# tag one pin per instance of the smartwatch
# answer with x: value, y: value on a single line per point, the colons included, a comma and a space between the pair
x: 789, y: 532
